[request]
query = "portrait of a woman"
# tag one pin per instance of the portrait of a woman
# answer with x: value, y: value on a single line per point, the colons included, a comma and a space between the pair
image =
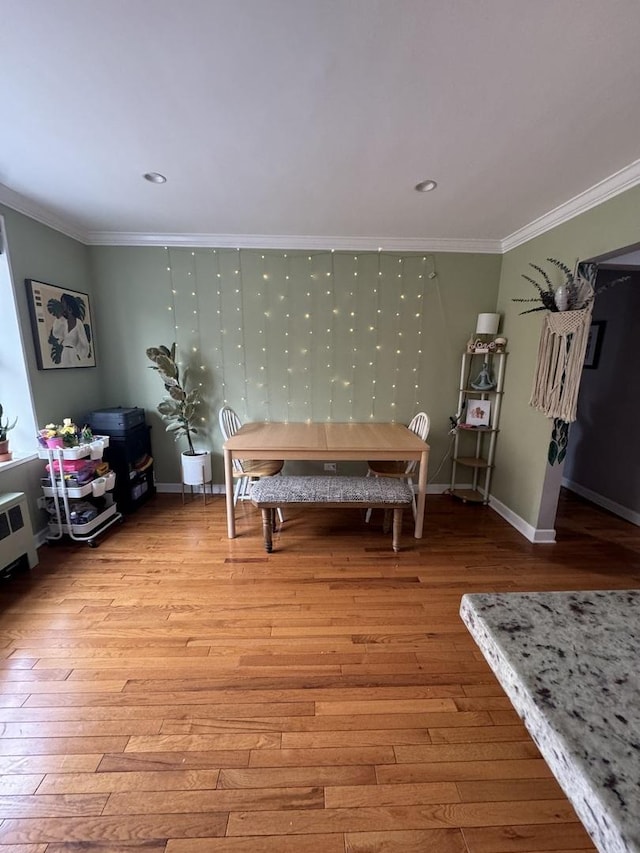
x: 76, y: 348
x: 62, y: 323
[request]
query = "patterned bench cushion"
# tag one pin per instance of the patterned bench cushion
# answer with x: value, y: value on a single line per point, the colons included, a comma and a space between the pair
x: 317, y: 490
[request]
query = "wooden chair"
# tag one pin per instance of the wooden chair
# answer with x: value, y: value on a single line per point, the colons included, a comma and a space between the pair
x: 419, y: 424
x: 245, y: 470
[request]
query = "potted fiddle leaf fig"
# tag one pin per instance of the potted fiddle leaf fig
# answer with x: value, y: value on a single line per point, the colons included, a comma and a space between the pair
x: 5, y: 426
x: 179, y: 409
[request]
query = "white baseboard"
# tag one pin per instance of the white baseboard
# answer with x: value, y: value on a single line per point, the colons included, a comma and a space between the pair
x: 533, y: 534
x: 600, y: 500
x: 529, y: 532
x: 41, y: 536
x: 176, y: 489
x: 440, y: 488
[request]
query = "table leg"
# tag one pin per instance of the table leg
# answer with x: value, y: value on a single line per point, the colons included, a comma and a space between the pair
x: 267, y: 529
x: 422, y: 490
x: 397, y: 529
x: 228, y: 484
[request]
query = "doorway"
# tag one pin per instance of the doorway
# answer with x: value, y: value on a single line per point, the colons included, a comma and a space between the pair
x: 602, y: 464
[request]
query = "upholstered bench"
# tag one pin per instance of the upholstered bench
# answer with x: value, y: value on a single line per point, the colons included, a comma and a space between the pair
x: 271, y: 493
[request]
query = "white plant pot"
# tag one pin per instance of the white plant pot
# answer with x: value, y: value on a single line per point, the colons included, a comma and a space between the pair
x: 196, y: 470
x: 561, y: 297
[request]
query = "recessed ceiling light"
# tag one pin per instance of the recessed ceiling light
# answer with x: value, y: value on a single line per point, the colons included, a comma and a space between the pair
x: 155, y: 178
x: 425, y: 186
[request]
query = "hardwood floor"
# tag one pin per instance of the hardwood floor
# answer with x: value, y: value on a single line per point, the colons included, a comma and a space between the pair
x: 175, y: 691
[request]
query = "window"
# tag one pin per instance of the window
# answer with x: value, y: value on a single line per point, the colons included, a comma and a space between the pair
x: 15, y: 387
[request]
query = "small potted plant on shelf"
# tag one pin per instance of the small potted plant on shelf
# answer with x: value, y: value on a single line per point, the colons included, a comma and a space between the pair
x: 65, y: 434
x: 179, y: 410
x: 5, y: 426
x: 68, y: 436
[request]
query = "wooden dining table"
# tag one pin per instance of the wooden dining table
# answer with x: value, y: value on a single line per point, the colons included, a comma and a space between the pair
x: 330, y: 441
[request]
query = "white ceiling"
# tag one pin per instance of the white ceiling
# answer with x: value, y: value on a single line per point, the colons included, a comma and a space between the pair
x: 286, y: 122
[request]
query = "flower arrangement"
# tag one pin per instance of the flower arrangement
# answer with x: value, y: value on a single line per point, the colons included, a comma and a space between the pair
x: 66, y: 434
x: 575, y: 292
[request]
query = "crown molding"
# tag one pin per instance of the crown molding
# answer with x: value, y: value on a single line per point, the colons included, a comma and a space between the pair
x: 608, y: 188
x: 604, y: 190
x: 33, y: 210
x: 294, y: 241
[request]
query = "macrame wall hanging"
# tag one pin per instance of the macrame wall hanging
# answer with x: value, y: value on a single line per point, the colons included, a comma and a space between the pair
x: 561, y: 351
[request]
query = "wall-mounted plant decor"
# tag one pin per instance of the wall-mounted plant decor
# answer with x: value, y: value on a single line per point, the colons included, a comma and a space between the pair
x: 564, y: 337
x: 577, y: 290
x: 563, y: 343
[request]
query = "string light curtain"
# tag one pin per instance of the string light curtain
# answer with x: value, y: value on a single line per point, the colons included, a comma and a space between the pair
x: 305, y: 336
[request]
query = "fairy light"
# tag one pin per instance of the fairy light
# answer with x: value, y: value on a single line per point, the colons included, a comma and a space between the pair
x: 220, y: 349
x: 243, y: 362
x: 196, y: 346
x: 398, y: 348
x: 307, y: 353
x: 419, y: 328
x: 173, y: 293
x: 333, y: 313
x: 265, y: 347
x: 351, y: 383
x: 373, y: 364
x: 366, y: 335
x: 287, y: 335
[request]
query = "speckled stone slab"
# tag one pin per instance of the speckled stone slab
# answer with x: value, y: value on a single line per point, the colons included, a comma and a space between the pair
x: 570, y: 663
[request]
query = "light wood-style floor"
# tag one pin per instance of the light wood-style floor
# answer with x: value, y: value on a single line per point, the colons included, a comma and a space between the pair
x: 175, y: 691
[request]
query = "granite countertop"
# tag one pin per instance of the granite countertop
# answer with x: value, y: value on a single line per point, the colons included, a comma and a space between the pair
x: 570, y: 663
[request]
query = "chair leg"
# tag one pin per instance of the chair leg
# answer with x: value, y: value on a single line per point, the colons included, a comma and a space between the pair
x: 280, y: 515
x: 236, y: 491
x: 367, y: 515
x: 414, y: 507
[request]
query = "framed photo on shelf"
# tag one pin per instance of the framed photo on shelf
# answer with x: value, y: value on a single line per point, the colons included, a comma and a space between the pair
x: 594, y: 343
x: 62, y: 326
x: 478, y: 413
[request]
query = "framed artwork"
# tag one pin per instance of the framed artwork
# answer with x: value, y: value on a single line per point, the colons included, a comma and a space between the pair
x: 478, y: 413
x: 62, y: 326
x: 594, y: 343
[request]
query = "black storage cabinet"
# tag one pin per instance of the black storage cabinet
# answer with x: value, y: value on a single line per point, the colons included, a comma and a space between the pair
x: 129, y: 449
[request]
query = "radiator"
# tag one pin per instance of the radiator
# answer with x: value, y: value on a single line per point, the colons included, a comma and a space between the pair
x: 17, y: 544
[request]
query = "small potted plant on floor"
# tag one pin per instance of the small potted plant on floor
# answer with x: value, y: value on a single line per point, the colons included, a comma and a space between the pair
x: 5, y: 426
x: 179, y: 409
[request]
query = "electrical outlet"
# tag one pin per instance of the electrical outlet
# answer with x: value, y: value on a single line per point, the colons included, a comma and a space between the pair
x: 330, y: 467
x: 42, y: 503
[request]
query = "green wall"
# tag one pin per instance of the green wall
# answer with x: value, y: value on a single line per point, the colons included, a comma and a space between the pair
x: 522, y: 449
x: 40, y: 253
x: 264, y: 369
x: 290, y: 335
